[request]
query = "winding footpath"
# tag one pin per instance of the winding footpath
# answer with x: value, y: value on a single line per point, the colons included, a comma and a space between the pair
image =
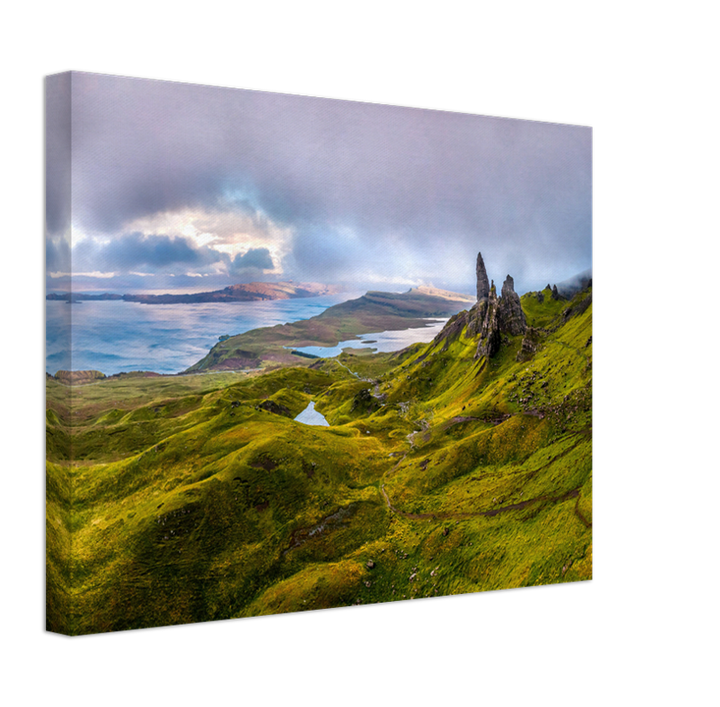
x: 460, y: 515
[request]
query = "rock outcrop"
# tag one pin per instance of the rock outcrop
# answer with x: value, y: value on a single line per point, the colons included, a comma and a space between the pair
x: 498, y: 317
x: 483, y: 284
x: 529, y: 345
x: 490, y: 330
x: 510, y: 311
x: 491, y: 318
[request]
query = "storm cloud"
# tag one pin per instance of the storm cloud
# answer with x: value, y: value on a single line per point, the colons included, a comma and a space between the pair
x: 329, y: 190
x: 257, y: 258
x: 135, y: 250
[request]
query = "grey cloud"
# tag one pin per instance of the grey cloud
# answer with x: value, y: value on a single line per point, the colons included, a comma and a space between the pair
x: 438, y: 185
x: 136, y: 250
x: 258, y: 258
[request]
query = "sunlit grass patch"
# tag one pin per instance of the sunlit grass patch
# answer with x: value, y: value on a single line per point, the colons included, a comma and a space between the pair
x: 318, y: 586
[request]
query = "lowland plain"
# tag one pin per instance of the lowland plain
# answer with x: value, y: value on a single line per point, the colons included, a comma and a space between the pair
x: 176, y: 499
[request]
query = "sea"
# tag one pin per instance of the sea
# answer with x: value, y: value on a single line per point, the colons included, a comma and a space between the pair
x: 113, y: 336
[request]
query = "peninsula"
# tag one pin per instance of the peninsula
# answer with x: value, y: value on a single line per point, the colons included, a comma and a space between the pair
x: 374, y: 311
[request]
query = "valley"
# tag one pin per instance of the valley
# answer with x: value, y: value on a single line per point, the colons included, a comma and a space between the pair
x: 460, y: 465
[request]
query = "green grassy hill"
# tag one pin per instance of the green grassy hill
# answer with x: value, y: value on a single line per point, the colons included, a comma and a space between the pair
x: 188, y: 499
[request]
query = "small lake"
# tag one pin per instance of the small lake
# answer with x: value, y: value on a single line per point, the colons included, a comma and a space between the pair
x: 380, y: 342
x: 310, y: 416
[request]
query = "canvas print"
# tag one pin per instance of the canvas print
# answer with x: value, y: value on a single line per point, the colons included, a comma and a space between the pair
x: 305, y: 353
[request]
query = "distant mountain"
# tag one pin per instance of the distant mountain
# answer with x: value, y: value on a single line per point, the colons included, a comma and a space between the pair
x: 249, y: 292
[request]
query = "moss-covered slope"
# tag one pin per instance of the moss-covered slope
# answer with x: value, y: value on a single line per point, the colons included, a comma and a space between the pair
x: 188, y: 499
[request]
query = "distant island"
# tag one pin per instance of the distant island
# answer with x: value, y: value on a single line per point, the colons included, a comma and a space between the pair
x: 249, y: 292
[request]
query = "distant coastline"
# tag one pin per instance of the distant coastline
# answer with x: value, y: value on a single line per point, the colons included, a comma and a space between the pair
x: 249, y: 292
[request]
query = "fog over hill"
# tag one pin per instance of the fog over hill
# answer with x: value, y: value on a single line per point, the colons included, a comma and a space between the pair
x: 574, y: 284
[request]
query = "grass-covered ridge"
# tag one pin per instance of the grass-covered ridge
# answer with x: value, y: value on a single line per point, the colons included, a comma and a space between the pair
x: 192, y: 498
x: 375, y: 311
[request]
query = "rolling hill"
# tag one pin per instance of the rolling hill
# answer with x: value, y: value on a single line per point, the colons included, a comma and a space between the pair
x: 457, y: 466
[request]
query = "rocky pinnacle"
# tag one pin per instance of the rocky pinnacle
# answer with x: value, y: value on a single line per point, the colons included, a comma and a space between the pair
x: 491, y: 319
x: 483, y: 285
x: 512, y: 317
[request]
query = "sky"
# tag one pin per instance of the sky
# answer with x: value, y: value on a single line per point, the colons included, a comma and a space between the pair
x: 162, y: 186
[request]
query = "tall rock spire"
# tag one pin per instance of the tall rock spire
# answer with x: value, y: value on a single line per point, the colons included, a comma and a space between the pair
x: 483, y: 284
x: 491, y: 319
x: 512, y: 317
